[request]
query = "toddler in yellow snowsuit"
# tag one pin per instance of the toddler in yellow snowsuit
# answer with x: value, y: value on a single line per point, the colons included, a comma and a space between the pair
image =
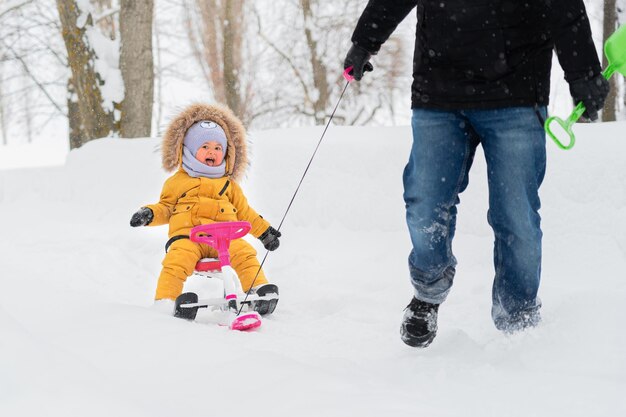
x: 207, y: 146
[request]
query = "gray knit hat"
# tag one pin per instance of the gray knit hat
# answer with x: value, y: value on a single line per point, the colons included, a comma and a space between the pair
x: 204, y: 131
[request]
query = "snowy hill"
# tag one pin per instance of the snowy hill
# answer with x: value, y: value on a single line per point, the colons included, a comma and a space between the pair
x: 79, y: 335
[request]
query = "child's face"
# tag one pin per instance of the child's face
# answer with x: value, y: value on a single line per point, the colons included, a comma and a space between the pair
x: 210, y: 153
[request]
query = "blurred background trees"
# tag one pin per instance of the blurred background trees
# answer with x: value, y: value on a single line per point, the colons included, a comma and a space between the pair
x: 92, y: 68
x: 217, y: 34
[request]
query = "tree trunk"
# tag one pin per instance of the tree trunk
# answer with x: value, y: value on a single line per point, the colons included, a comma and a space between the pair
x: 3, y: 126
x: 28, y: 115
x: 137, y: 66
x: 220, y: 51
x: 209, y: 56
x: 96, y: 122
x: 158, y: 78
x: 73, y: 116
x: 609, y: 25
x: 232, y: 25
x: 320, y: 73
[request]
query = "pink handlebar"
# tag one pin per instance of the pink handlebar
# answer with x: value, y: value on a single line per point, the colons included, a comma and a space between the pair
x: 347, y: 75
x: 218, y: 235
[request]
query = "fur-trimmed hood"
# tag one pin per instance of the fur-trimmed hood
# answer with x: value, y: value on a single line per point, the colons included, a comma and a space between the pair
x: 237, y: 152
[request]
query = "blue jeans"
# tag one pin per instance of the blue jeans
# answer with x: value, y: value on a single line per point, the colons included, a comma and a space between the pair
x: 444, y: 144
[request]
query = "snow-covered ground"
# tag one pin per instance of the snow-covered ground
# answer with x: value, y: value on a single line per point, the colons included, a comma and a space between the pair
x: 79, y: 335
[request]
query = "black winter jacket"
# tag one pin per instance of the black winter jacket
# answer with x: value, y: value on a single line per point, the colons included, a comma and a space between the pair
x: 485, y: 53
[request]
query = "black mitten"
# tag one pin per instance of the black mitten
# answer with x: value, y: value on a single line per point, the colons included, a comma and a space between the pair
x: 269, y: 238
x: 143, y: 217
x: 358, y: 58
x: 592, y: 92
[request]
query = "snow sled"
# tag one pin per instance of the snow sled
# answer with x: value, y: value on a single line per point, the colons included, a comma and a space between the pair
x: 238, y: 310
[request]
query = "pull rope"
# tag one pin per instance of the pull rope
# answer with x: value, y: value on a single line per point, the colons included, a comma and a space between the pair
x: 296, y: 192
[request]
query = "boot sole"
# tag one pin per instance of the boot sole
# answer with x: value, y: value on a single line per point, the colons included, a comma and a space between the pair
x: 417, y: 341
x: 265, y: 307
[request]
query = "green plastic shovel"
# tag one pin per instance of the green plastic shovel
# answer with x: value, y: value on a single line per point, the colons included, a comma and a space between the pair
x: 615, y: 51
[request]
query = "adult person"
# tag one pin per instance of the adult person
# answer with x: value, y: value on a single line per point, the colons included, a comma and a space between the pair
x: 481, y: 75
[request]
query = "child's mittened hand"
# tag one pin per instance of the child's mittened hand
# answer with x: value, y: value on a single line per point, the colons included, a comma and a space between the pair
x: 142, y: 217
x: 269, y: 238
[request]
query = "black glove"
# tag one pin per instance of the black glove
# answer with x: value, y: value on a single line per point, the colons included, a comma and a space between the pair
x: 358, y: 58
x: 592, y: 92
x: 269, y: 238
x: 143, y: 217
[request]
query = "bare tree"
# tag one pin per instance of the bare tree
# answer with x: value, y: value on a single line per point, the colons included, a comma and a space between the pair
x: 96, y: 121
x: 278, y: 65
x: 158, y: 76
x: 32, y: 67
x: 136, y: 63
x: 172, y: 56
x: 28, y: 113
x: 3, y: 118
x: 309, y: 61
x: 90, y: 113
x: 320, y: 72
x: 105, y: 19
x: 216, y: 29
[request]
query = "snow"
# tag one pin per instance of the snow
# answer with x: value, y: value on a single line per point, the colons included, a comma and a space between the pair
x: 80, y: 335
x: 107, y: 65
x: 107, y: 57
x: 43, y: 153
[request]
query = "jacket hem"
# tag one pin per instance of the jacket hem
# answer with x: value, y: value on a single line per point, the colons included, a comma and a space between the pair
x: 477, y: 105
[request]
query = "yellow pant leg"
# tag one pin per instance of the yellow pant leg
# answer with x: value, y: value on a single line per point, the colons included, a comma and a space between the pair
x: 244, y: 262
x: 178, y: 264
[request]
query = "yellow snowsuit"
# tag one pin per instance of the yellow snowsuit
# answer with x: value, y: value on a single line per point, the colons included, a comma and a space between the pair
x: 186, y: 202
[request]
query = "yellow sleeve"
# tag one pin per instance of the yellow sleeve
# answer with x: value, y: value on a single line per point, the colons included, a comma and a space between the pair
x: 247, y: 213
x: 163, y: 209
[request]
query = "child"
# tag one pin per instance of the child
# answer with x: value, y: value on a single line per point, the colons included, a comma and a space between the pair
x: 208, y: 146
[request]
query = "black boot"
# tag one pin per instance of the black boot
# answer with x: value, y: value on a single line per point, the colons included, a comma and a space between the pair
x: 419, y: 324
x: 519, y: 321
x: 265, y: 307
